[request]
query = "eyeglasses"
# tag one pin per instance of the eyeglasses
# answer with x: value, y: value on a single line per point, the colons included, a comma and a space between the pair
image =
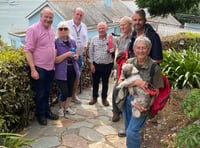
x: 61, y: 29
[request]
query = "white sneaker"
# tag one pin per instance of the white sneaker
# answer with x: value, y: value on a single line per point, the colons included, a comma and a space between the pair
x: 69, y: 111
x: 76, y: 100
x: 61, y: 112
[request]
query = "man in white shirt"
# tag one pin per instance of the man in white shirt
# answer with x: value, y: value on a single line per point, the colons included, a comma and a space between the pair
x: 78, y: 31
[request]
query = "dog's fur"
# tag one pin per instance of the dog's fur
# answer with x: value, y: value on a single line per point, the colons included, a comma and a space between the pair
x: 141, y: 97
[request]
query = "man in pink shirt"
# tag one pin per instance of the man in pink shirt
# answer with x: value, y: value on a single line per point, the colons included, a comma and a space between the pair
x: 40, y: 53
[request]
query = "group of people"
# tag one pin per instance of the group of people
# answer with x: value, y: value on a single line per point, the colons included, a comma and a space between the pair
x: 59, y: 58
x: 62, y: 58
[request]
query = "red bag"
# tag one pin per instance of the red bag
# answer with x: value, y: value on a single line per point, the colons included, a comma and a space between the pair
x: 111, y: 49
x: 163, y: 96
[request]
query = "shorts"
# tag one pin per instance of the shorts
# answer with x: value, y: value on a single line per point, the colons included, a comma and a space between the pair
x: 66, y: 86
x: 80, y: 62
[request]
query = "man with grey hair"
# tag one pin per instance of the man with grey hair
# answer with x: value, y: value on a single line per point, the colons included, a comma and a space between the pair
x: 40, y: 53
x: 126, y: 28
x: 79, y: 32
x: 101, y: 63
x: 143, y: 28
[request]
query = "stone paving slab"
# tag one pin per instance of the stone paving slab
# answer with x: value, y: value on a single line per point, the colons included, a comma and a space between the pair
x: 106, y: 130
x: 91, y: 127
x: 46, y: 142
x: 74, y: 141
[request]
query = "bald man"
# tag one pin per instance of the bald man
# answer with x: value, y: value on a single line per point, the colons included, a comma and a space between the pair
x: 79, y: 32
x: 40, y: 54
x: 101, y: 63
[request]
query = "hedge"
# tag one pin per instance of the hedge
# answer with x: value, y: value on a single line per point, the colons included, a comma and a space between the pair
x: 16, y: 96
x: 181, y: 41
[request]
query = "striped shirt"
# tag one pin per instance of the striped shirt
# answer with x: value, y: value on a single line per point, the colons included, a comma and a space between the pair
x: 98, y: 51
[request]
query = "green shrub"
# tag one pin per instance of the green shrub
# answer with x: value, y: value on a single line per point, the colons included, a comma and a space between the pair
x: 191, y: 104
x: 187, y: 38
x: 10, y: 140
x: 188, y: 137
x: 16, y: 97
x: 182, y: 67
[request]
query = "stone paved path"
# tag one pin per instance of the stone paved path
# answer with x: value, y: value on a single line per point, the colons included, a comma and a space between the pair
x: 91, y: 127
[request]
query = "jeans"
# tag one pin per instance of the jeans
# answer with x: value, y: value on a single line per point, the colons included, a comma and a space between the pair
x: 114, y: 96
x: 102, y: 71
x: 42, y: 88
x: 132, y: 125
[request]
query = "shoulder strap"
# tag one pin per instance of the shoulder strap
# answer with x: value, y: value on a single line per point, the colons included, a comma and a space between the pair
x: 152, y: 72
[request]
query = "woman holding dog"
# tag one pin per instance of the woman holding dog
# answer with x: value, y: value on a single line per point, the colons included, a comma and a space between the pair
x: 143, y: 63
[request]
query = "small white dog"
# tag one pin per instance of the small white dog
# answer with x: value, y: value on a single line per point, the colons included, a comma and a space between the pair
x: 141, y: 97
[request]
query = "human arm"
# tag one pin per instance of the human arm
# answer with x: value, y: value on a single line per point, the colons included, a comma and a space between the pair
x: 30, y: 45
x: 34, y: 73
x: 116, y: 53
x: 156, y: 80
x: 61, y: 57
x: 84, y: 54
x: 76, y: 56
x: 91, y: 56
x: 85, y: 43
x: 156, y: 50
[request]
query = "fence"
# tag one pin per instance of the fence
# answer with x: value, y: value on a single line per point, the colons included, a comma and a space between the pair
x: 165, y: 29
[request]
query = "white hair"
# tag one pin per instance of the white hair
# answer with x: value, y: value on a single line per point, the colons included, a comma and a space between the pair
x: 62, y: 24
x: 65, y: 25
x: 144, y: 40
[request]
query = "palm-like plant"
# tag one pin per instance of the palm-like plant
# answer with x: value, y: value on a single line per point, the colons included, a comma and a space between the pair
x: 182, y: 67
x: 14, y: 140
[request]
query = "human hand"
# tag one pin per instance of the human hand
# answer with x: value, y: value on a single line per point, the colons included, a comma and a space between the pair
x: 84, y: 58
x: 76, y: 57
x: 140, y: 83
x: 140, y: 108
x: 34, y: 74
x: 92, y: 68
x: 69, y: 54
x: 119, y: 81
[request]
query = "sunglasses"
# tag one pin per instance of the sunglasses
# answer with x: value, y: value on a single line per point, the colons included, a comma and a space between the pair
x: 61, y: 29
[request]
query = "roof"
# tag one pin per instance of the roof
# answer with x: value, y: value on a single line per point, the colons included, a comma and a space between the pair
x: 94, y: 11
x: 18, y: 34
x: 169, y: 20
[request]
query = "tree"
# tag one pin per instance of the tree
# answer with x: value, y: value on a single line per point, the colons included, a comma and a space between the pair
x: 164, y: 7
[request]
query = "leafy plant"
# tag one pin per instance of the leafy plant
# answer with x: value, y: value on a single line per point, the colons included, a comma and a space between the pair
x: 182, y: 67
x: 191, y: 104
x: 15, y: 140
x: 188, y: 137
x: 187, y: 38
x: 163, y: 7
x: 16, y: 96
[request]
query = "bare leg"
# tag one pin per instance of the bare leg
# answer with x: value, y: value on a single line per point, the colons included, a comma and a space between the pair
x: 75, y: 99
x: 76, y: 83
x: 66, y: 105
x: 68, y: 110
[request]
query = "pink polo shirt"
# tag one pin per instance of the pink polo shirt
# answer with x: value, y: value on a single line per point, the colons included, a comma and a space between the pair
x: 41, y: 42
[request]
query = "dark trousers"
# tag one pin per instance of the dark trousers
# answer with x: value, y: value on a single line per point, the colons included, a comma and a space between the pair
x: 102, y: 71
x: 42, y: 88
x: 114, y: 96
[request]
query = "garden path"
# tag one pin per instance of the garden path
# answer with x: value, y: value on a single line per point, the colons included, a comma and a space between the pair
x: 91, y: 127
